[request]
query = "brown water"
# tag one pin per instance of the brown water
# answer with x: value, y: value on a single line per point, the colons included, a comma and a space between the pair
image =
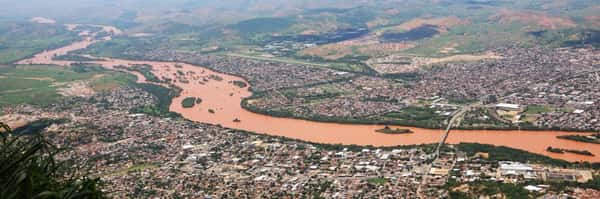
x: 225, y: 99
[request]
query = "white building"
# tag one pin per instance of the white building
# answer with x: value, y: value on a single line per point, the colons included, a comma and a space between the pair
x: 515, y: 169
x: 509, y: 107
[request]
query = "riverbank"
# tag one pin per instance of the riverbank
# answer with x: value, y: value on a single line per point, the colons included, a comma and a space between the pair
x: 225, y: 100
x: 585, y: 139
x: 496, y: 153
x: 342, y: 120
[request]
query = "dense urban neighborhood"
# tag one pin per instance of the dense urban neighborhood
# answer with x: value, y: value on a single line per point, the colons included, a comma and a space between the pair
x: 140, y: 155
x: 300, y: 99
x: 556, y: 85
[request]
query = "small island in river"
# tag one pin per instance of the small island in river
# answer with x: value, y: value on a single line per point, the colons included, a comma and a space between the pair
x: 190, y: 102
x: 578, y: 152
x: 388, y: 130
x: 594, y: 139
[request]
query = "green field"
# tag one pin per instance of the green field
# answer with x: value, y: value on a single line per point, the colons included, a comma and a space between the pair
x: 39, y: 84
x: 21, y: 40
x: 377, y: 181
x: 537, y: 109
x: 190, y: 102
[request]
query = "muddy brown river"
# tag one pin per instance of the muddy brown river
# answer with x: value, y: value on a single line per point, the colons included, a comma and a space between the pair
x: 225, y: 99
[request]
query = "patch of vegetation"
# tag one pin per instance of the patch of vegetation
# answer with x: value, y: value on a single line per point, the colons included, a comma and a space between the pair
x: 578, y: 152
x: 580, y: 138
x: 501, y: 153
x: 418, y: 33
x: 351, y: 63
x: 240, y: 84
x: 317, y: 97
x: 216, y: 77
x: 19, y: 40
x: 408, y: 117
x: 112, y: 81
x: 575, y: 37
x: 489, y: 188
x: 121, y: 47
x: 388, y: 130
x: 480, y: 118
x: 38, y: 84
x: 377, y: 181
x: 134, y: 168
x: 75, y: 57
x: 165, y: 97
x: 190, y: 102
x: 86, y: 68
x: 458, y: 195
x: 285, y: 113
x: 404, y: 76
x: 413, y: 113
x: 537, y: 109
x: 146, y: 71
x: 261, y: 25
x: 415, y: 116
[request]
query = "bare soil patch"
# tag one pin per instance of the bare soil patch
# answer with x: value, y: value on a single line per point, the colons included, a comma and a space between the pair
x: 342, y: 49
x: 377, y: 22
x: 79, y: 88
x: 464, y: 58
x: 407, y: 64
x: 39, y: 78
x: 328, y: 51
x: 366, y: 45
x: 442, y: 23
x: 535, y: 18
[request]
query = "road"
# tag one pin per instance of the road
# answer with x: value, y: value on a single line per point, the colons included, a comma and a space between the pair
x: 275, y: 59
x: 455, y: 121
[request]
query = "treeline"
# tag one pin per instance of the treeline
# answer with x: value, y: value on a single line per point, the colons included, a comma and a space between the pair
x: 560, y: 150
x: 502, y: 153
x: 76, y: 57
x: 428, y: 148
x: 165, y: 98
x: 145, y: 70
x: 489, y: 188
x: 240, y: 84
x: 350, y: 60
x: 412, y: 76
x: 37, y: 126
x: 509, y: 190
x: 580, y: 138
x: 429, y: 124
